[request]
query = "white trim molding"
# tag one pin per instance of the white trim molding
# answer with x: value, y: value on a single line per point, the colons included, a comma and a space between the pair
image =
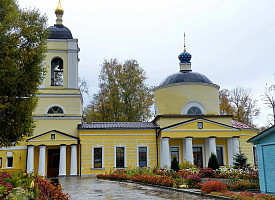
x: 203, y: 154
x: 125, y: 163
x: 191, y: 104
x: 223, y: 154
x: 147, y: 155
x: 178, y: 146
x: 102, y: 157
x: 49, y: 107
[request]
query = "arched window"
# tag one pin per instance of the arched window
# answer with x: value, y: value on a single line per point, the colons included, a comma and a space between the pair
x: 57, y: 72
x: 194, y: 111
x: 193, y: 108
x: 55, y: 110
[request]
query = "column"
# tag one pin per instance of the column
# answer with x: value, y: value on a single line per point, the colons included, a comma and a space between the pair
x: 230, y: 152
x: 212, y: 145
x: 235, y: 145
x: 42, y: 160
x: 183, y: 150
x: 73, y: 171
x: 30, y: 159
x: 189, y: 149
x: 62, y: 160
x: 207, y: 150
x: 166, y: 152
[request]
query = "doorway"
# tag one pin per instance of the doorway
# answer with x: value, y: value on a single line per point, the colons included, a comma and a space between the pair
x: 197, y: 153
x: 53, y: 162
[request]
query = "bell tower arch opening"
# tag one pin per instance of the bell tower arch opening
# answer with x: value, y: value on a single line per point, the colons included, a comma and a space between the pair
x: 57, y: 72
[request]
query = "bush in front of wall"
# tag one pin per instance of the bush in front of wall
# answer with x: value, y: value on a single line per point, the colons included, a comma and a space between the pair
x: 213, y: 186
x: 175, y: 164
x: 213, y: 162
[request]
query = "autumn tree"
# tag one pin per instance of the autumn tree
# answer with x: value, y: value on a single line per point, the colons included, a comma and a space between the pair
x: 269, y: 99
x: 23, y: 34
x: 239, y: 103
x: 123, y: 94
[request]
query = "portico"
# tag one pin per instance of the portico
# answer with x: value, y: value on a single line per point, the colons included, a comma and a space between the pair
x: 53, y: 154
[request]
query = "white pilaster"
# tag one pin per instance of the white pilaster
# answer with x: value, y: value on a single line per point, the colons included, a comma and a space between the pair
x: 30, y: 159
x: 189, y: 150
x: 183, y: 150
x: 161, y: 152
x: 212, y: 145
x: 207, y: 151
x: 73, y: 171
x: 166, y: 152
x: 62, y: 160
x: 235, y: 145
x: 42, y: 160
x: 230, y: 151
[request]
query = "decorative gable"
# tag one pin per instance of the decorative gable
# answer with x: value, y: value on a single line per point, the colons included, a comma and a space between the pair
x: 52, y: 137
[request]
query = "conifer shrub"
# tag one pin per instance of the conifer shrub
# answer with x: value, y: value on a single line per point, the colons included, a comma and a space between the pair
x: 213, y: 162
x: 213, y: 186
x: 240, y: 161
x: 175, y: 164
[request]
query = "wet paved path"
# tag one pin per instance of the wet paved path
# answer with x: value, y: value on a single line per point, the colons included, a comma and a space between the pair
x: 90, y: 188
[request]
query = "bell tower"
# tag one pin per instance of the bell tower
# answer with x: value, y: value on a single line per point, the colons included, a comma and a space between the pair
x: 59, y: 101
x: 62, y: 56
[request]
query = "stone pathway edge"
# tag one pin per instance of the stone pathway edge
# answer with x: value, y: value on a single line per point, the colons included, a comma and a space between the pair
x: 190, y: 191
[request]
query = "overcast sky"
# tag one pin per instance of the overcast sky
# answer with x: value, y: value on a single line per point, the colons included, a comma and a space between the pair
x: 231, y: 42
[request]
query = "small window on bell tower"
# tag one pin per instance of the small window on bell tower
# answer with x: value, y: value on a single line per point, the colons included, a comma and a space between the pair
x: 57, y: 72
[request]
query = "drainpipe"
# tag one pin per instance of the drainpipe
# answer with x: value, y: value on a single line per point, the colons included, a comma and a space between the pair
x: 157, y: 135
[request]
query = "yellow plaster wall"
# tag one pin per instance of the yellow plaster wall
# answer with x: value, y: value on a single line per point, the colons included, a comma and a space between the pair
x: 18, y: 164
x: 57, y: 45
x: 131, y: 139
x: 170, y: 100
x: 245, y: 147
x: 68, y: 126
x: 166, y: 121
x: 72, y: 105
x: 199, y: 134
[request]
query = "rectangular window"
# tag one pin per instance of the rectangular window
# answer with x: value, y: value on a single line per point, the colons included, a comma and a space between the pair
x: 219, y: 150
x: 9, y: 162
x: 0, y: 162
x: 142, y: 156
x: 120, y: 157
x: 98, y: 157
x: 174, y: 153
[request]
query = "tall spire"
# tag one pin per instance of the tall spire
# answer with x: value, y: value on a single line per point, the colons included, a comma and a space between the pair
x: 59, y: 12
x: 184, y: 43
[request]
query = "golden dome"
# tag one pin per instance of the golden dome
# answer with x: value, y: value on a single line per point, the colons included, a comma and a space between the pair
x: 59, y: 10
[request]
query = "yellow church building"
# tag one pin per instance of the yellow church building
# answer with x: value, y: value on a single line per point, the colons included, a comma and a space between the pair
x: 187, y: 123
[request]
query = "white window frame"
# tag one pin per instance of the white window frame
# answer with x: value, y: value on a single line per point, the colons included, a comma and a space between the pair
x: 191, y: 104
x: 9, y: 155
x: 223, y: 153
x: 179, y: 152
x: 47, y: 110
x: 147, y: 155
x: 253, y: 157
x: 102, y: 147
x: 203, y: 153
x: 125, y: 162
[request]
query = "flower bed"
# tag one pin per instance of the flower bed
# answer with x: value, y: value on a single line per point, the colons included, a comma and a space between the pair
x: 23, y: 186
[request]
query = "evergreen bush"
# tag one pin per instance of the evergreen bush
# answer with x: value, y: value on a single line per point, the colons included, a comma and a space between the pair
x: 175, y: 164
x: 240, y: 161
x: 213, y: 162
